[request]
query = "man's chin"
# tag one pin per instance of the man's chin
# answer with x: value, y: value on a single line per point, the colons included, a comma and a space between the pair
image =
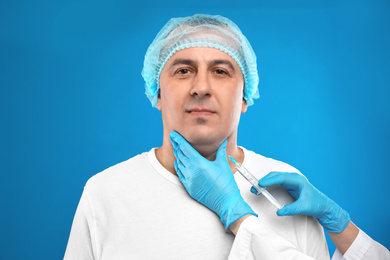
x: 200, y: 140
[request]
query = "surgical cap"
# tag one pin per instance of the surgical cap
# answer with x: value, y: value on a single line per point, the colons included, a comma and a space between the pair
x: 200, y: 30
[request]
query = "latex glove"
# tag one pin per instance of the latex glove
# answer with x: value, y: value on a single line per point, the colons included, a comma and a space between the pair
x: 209, y: 182
x: 309, y: 201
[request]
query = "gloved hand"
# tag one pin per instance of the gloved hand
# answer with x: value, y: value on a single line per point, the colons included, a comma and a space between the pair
x: 209, y: 182
x: 309, y: 200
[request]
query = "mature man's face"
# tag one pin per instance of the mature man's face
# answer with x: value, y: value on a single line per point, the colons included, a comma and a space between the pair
x: 201, y: 95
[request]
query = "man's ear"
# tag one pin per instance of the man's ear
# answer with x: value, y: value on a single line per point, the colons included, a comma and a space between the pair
x: 159, y: 101
x: 244, y: 106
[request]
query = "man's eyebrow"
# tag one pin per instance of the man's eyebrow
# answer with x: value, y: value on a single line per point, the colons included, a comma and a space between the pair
x: 182, y: 61
x: 226, y: 62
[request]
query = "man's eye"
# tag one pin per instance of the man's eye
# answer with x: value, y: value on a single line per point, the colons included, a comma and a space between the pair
x: 220, y: 72
x: 183, y: 71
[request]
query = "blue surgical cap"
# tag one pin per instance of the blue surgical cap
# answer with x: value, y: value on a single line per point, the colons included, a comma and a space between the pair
x: 200, y: 30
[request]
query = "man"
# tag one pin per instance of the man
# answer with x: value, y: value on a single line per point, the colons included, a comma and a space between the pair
x: 200, y: 72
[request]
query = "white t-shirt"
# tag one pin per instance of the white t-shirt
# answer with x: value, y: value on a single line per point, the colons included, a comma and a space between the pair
x: 139, y: 210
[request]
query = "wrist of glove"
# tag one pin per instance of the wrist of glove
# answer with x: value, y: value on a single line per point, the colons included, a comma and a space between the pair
x: 235, y: 209
x: 309, y: 201
x: 334, y: 218
x: 209, y: 182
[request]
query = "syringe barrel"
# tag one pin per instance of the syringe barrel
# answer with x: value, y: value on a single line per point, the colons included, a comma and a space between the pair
x: 247, y: 175
x: 255, y: 183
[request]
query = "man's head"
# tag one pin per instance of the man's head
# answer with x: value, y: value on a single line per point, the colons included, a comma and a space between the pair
x: 200, y: 30
x: 201, y: 72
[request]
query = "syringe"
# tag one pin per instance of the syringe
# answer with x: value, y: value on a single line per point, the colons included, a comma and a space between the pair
x: 255, y: 183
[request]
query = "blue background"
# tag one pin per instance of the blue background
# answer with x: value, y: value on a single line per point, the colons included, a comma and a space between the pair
x: 72, y: 103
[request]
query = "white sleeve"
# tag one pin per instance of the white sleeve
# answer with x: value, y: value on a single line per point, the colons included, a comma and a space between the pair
x: 363, y: 248
x: 80, y: 243
x: 256, y: 240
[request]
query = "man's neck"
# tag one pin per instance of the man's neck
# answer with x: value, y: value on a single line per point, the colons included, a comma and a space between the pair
x: 166, y: 157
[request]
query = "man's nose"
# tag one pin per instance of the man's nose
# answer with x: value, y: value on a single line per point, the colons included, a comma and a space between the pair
x: 201, y: 85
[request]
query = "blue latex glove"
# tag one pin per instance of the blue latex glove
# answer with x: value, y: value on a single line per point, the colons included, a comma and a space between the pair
x: 209, y: 182
x: 309, y: 201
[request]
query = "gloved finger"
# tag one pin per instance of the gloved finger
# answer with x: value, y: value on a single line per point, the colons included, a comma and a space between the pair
x: 292, y: 209
x: 180, y: 165
x: 180, y: 156
x: 178, y: 172
x: 221, y: 152
x: 272, y: 178
x: 286, y: 179
x: 175, y: 150
x: 173, y: 142
x: 254, y: 191
x: 183, y: 145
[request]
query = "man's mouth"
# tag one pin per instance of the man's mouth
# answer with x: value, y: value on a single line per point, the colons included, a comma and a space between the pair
x: 200, y: 111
